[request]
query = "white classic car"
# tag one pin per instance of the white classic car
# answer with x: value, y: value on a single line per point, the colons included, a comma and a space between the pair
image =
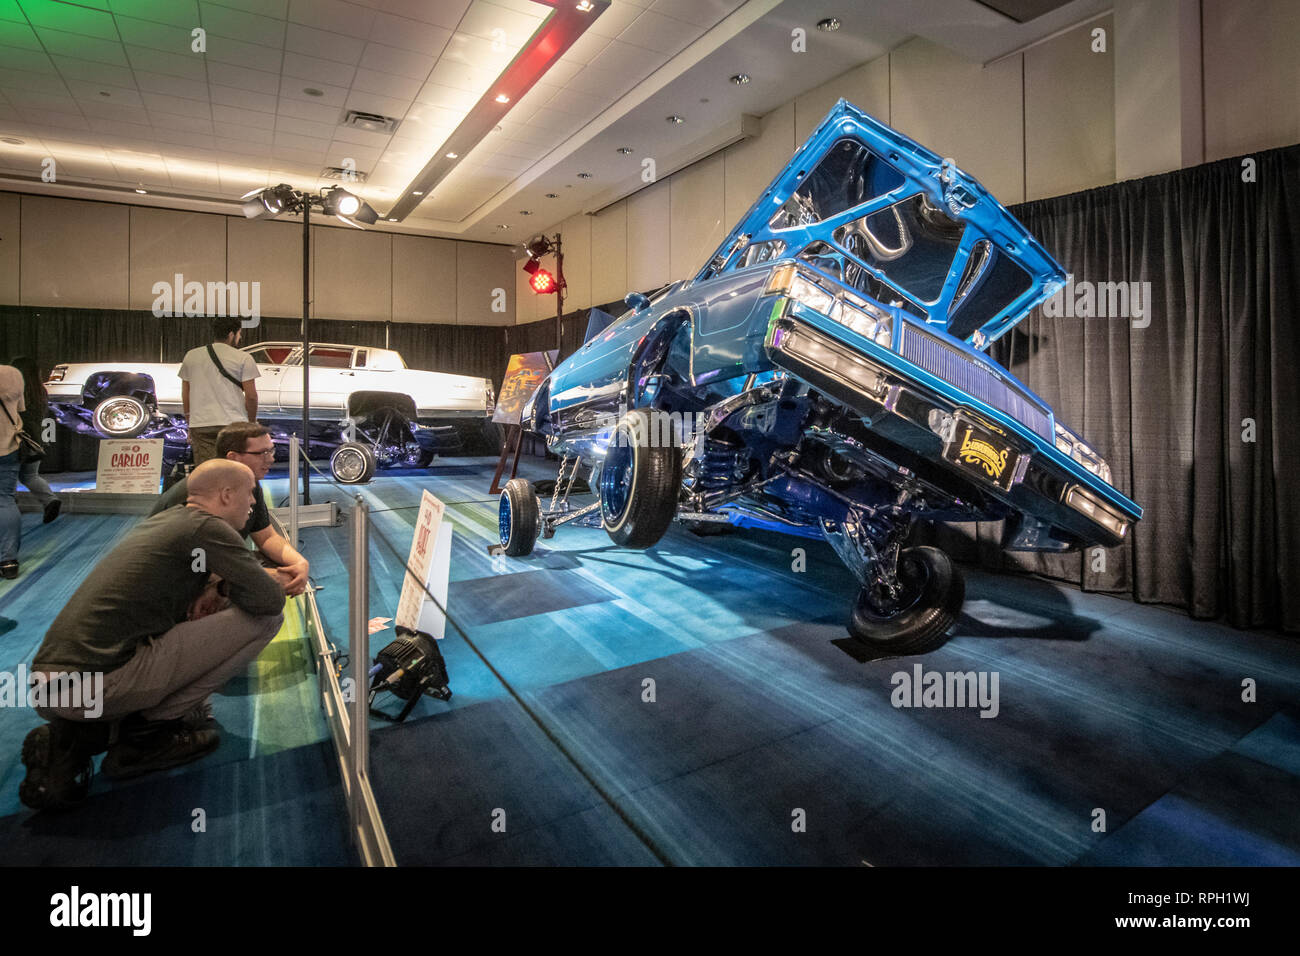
x: 366, y: 405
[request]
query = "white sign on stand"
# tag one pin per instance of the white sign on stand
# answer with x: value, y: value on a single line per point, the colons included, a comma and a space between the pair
x: 428, y: 566
x: 129, y: 466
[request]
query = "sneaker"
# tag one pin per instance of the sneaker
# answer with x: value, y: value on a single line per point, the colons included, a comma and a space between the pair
x: 52, y: 509
x: 157, y: 745
x: 199, y: 717
x: 59, y: 768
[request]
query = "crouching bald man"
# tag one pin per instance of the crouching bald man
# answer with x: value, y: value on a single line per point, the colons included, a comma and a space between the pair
x: 168, y: 616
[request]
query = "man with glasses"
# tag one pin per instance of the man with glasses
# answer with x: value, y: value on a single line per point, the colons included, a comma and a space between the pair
x: 250, y: 444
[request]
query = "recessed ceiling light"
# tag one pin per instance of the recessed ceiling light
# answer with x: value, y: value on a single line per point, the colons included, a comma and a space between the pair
x: 11, y: 140
x: 496, y: 129
x: 676, y: 120
x: 585, y: 6
x: 105, y: 93
x: 416, y: 192
x: 525, y: 212
x: 453, y: 155
x: 392, y: 219
x: 312, y: 91
x: 502, y: 98
x: 624, y: 150
x: 143, y: 192
x: 740, y: 79
x: 829, y: 25
x: 552, y: 195
x: 502, y: 225
x: 584, y: 175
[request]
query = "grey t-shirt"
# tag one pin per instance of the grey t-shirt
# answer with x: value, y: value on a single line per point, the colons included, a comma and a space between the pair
x: 215, y: 401
x: 144, y: 587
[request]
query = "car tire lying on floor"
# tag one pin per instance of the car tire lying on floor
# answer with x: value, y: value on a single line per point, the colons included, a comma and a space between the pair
x: 353, y: 463
x: 932, y: 596
x: 519, y: 518
x: 640, y: 479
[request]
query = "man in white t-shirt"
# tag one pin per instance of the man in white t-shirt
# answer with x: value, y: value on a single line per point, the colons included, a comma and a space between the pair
x: 217, y: 388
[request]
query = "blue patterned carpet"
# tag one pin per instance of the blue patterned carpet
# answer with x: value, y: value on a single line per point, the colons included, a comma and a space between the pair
x: 1121, y: 736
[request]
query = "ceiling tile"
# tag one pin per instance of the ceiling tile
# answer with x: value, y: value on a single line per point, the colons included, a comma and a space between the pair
x: 268, y: 8
x: 291, y: 87
x: 81, y: 47
x: 241, y: 78
x: 329, y: 46
x: 300, y: 127
x: 657, y: 32
x: 312, y: 112
x: 361, y: 137
x: 159, y: 103
x: 193, y: 123
x: 702, y: 13
x: 156, y: 36
x: 172, y: 85
x: 387, y: 59
x: 180, y: 13
x: 70, y: 18
x: 33, y: 100
x: 18, y: 34
x: 173, y: 64
x: 435, y: 94
x: 585, y: 47
x: 386, y: 84
x: 33, y: 60
x: 94, y: 72
x: 93, y: 92
x: 121, y: 113
x: 244, y: 99
x: 238, y: 25
x: 633, y: 61
x: 615, y: 20
x: 293, y: 141
x: 574, y: 101
x: 443, y: 13
x: 250, y: 55
x: 321, y: 71
x: 409, y: 34
x: 257, y: 125
x: 37, y: 82
x: 334, y: 15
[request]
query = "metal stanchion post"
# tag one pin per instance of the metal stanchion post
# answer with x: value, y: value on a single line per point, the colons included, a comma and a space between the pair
x: 359, y: 650
x: 294, y: 464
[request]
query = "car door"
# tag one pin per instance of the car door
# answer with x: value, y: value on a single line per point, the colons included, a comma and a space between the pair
x: 332, y: 377
x: 270, y: 373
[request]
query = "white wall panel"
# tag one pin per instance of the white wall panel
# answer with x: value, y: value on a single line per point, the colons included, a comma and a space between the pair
x: 424, y: 279
x: 269, y: 253
x: 168, y: 242
x: 609, y: 254
x: 696, y: 216
x: 74, y: 253
x: 648, y: 238
x: 352, y: 272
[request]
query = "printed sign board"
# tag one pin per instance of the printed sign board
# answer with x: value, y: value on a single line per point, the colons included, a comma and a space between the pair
x: 427, y: 566
x: 524, y: 373
x: 130, y: 466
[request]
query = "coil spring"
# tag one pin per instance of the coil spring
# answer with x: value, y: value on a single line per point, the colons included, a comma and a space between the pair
x: 718, y: 465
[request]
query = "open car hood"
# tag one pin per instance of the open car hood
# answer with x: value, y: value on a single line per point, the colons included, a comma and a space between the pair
x: 906, y: 228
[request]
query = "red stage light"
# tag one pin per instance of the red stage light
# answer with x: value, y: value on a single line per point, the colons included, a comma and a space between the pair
x: 542, y: 282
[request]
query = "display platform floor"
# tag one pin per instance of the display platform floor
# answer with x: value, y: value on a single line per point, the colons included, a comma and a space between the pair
x: 1121, y: 735
x: 270, y: 794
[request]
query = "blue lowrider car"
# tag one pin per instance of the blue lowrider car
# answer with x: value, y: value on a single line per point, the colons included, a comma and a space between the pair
x: 825, y: 374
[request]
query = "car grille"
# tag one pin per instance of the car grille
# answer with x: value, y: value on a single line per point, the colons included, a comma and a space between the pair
x: 975, y: 378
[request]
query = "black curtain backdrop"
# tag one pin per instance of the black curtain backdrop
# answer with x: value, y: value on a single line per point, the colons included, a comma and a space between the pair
x: 1165, y: 404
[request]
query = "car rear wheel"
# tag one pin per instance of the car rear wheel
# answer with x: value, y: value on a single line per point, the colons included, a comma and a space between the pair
x: 353, y: 463
x: 121, y: 416
x: 519, y: 518
x: 918, y: 620
x: 640, y: 479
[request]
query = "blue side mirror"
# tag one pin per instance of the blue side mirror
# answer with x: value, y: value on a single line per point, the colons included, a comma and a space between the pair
x: 636, y: 301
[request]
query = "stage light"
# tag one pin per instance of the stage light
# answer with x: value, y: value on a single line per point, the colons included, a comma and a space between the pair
x: 537, y: 247
x: 269, y: 202
x: 343, y: 205
x: 531, y: 266
x: 543, y: 282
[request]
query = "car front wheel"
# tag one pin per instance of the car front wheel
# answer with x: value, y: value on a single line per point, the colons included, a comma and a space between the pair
x: 640, y: 479
x: 121, y: 416
x: 917, y: 619
x: 519, y: 517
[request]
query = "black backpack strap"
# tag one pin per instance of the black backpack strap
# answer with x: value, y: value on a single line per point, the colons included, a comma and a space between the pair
x: 212, y: 353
